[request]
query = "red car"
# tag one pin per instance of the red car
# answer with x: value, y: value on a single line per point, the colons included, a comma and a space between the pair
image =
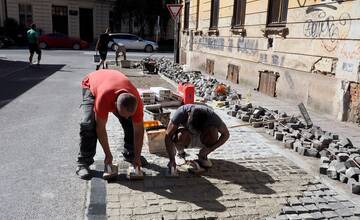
x: 61, y: 40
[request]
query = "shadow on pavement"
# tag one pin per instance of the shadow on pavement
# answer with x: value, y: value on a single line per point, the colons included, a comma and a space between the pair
x: 17, y: 77
x: 199, y: 190
x: 187, y: 188
x: 250, y: 180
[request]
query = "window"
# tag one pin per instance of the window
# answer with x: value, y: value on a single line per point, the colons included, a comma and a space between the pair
x: 186, y: 15
x: 214, y: 17
x: 197, y: 14
x: 277, y: 12
x: 25, y: 15
x: 238, y: 19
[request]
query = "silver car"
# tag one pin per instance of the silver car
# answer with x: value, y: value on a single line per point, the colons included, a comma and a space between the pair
x: 131, y: 42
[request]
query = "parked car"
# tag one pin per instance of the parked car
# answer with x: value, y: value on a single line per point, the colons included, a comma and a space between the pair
x: 6, y: 41
x: 61, y: 40
x: 132, y: 42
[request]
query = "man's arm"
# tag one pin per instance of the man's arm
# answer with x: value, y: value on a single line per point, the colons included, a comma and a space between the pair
x: 103, y: 139
x: 97, y: 44
x: 170, y: 147
x: 138, y: 141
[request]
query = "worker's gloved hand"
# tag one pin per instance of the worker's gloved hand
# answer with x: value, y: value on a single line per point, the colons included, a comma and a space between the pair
x: 108, y: 159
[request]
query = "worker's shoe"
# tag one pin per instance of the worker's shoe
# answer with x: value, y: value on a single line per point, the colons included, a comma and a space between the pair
x: 180, y: 159
x: 129, y: 157
x: 83, y: 172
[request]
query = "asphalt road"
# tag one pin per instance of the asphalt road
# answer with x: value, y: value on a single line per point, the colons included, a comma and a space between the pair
x: 39, y: 115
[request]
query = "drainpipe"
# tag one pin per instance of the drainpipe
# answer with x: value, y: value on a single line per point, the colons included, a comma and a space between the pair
x: 5, y: 6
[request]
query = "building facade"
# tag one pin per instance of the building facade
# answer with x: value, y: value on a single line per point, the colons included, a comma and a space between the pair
x: 77, y: 18
x: 303, y: 50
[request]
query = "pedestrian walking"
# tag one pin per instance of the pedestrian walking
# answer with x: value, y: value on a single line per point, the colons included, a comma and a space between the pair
x: 109, y: 91
x: 33, y: 39
x: 195, y: 126
x: 102, y: 47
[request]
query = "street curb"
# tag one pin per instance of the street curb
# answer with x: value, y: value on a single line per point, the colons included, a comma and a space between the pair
x: 95, y: 208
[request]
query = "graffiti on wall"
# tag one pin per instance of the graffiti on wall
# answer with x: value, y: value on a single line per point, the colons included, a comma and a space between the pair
x: 302, y: 3
x: 327, y: 28
x: 350, y: 51
x: 247, y: 46
x: 215, y: 43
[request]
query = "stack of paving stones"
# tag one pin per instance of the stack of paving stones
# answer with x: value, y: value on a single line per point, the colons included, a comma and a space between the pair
x: 339, y: 159
x: 318, y: 202
x: 205, y: 87
x: 338, y: 155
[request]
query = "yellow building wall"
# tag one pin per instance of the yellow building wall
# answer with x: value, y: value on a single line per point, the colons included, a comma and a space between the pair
x: 42, y: 14
x: 324, y: 36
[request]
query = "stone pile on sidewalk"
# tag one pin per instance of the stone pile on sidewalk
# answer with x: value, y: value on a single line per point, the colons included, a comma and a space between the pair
x: 207, y: 88
x: 340, y: 160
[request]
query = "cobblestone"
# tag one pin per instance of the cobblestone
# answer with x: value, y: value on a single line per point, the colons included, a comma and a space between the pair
x: 248, y: 181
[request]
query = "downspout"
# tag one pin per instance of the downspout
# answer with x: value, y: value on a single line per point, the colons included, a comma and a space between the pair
x: 5, y: 6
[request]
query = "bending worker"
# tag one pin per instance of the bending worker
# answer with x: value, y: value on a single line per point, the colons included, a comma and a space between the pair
x: 195, y: 126
x: 109, y: 91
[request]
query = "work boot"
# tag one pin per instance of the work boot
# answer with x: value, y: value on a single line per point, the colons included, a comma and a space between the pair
x: 83, y: 172
x: 97, y: 67
x: 129, y: 157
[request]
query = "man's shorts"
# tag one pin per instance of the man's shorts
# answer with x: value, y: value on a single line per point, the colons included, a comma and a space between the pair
x: 34, y: 48
x: 194, y: 143
x: 103, y: 54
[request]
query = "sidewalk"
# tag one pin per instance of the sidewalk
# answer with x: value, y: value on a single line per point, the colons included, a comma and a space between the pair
x: 252, y: 177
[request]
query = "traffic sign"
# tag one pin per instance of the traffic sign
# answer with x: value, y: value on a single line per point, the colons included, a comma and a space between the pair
x: 174, y: 10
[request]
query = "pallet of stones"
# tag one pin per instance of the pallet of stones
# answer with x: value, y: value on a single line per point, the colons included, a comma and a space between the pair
x: 339, y: 158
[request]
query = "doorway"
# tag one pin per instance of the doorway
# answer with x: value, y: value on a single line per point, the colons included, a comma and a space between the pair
x: 60, y: 19
x: 86, y: 24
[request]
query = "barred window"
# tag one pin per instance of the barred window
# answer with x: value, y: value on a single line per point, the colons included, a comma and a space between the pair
x: 186, y: 15
x: 25, y: 15
x: 277, y: 12
x: 238, y: 19
x: 214, y: 17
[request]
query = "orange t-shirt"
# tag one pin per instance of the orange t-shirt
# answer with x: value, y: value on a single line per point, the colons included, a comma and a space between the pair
x: 106, y: 85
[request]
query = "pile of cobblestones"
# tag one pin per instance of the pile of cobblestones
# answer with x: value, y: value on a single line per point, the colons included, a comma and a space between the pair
x: 207, y: 88
x: 339, y: 158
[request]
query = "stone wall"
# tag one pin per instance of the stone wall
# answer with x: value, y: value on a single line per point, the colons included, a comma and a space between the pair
x: 319, y: 52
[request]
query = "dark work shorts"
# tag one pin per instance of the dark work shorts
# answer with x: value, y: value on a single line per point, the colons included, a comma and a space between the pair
x: 34, y: 48
x: 103, y: 54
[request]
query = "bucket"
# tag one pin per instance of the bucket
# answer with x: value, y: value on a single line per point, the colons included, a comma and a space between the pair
x: 187, y: 91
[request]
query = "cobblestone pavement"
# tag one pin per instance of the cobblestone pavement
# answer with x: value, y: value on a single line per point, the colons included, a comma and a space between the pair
x: 249, y: 180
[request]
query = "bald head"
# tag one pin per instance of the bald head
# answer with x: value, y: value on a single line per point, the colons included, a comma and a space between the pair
x: 126, y: 102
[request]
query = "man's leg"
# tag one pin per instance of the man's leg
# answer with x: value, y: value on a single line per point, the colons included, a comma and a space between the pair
x: 127, y: 125
x: 88, y: 137
x: 208, y: 138
x: 31, y: 51
x: 128, y: 152
x: 38, y: 52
